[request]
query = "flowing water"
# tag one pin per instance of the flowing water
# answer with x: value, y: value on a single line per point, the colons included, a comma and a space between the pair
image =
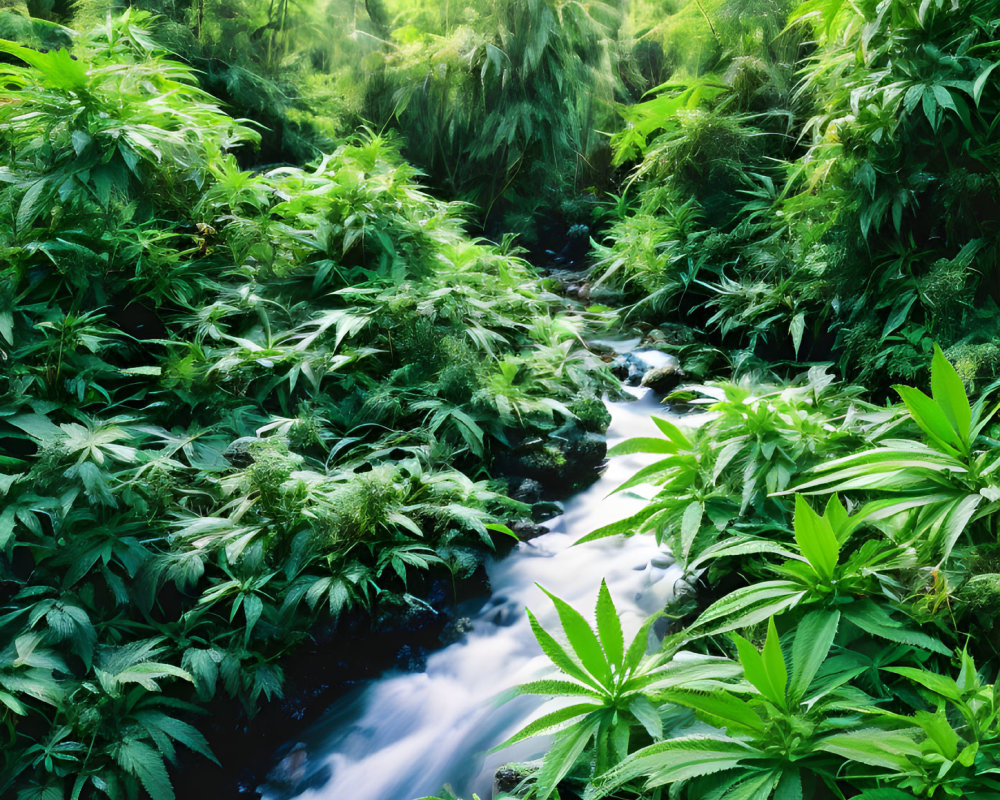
x: 407, y: 734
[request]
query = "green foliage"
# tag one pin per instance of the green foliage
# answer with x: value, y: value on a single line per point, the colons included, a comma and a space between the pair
x: 233, y: 403
x: 615, y: 680
x: 848, y: 691
x: 715, y: 480
x: 502, y: 106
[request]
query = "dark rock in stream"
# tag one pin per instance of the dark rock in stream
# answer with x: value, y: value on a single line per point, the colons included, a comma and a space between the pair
x: 527, y: 530
x: 654, y: 369
x: 663, y: 379
x: 507, y: 779
x: 528, y: 491
x: 561, y: 462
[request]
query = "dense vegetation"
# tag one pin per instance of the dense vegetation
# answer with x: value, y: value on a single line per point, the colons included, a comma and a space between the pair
x: 255, y: 372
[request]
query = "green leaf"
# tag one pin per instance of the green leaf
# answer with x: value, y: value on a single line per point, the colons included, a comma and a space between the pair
x: 37, y: 426
x: 7, y: 325
x: 549, y: 721
x: 643, y: 444
x: 931, y: 418
x: 765, y: 670
x: 644, y: 711
x: 873, y: 618
x: 554, y: 688
x: 816, y: 539
x: 31, y: 203
x: 796, y: 328
x: 876, y: 748
x: 562, y: 757
x: 672, y: 761
x: 980, y: 83
x: 939, y: 684
x: 774, y: 663
x: 673, y: 433
x: 627, y: 526
x: 739, y: 545
x: 141, y: 760
x: 748, y: 606
x: 609, y: 628
x: 582, y: 639
x: 717, y: 707
x: 949, y: 394
x: 690, y: 525
x: 558, y: 656
x: 814, y: 637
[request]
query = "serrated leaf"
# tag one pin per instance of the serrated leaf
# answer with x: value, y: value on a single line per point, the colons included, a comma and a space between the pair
x: 582, y: 639
x: 814, y: 637
x: 609, y: 628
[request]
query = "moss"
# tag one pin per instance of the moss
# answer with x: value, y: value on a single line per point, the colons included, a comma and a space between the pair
x: 981, y: 595
x: 592, y: 414
x: 547, y: 458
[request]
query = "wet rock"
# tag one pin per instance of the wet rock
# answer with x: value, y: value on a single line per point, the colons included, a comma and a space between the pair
x: 411, y: 659
x: 662, y: 561
x: 642, y: 366
x: 507, y: 779
x: 579, y: 291
x: 527, y: 530
x: 546, y: 510
x: 290, y: 772
x: 528, y: 491
x: 588, y: 453
x: 562, y: 461
x: 456, y: 630
x: 663, y: 379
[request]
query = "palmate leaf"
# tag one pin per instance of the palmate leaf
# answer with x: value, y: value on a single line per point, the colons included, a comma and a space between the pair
x: 139, y: 759
x: 548, y: 722
x: 164, y: 729
x: 672, y: 761
x: 582, y: 639
x: 748, y: 606
x: 765, y: 670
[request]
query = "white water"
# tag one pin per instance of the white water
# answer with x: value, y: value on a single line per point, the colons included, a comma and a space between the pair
x: 407, y: 734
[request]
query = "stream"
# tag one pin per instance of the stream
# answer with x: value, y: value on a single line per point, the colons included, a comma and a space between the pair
x: 406, y: 735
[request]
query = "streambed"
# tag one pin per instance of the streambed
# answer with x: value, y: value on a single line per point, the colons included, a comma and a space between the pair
x: 406, y: 735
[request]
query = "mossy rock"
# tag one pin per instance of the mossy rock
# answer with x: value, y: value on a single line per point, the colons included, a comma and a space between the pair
x: 592, y: 413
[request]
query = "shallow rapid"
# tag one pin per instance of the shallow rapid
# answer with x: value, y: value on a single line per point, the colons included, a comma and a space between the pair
x: 406, y: 735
